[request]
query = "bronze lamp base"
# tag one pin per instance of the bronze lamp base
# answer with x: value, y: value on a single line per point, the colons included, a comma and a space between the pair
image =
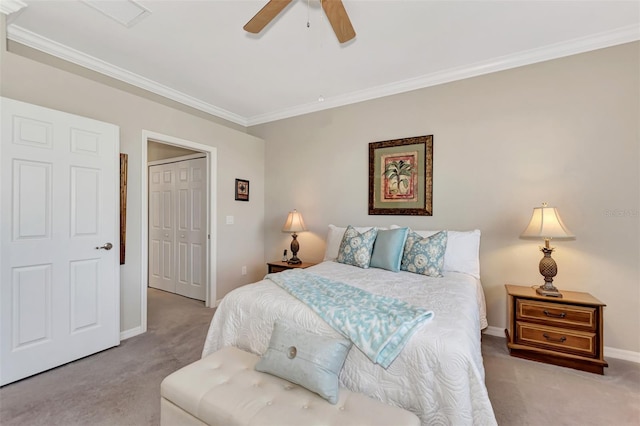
x: 548, y: 269
x: 295, y: 246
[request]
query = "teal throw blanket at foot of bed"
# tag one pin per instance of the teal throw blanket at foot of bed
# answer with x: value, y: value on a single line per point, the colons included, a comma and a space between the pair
x: 379, y: 326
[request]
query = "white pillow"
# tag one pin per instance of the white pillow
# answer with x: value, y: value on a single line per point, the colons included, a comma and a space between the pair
x: 334, y: 238
x: 462, y: 253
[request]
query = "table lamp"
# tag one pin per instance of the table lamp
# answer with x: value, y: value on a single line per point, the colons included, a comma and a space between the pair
x: 294, y: 224
x: 546, y: 223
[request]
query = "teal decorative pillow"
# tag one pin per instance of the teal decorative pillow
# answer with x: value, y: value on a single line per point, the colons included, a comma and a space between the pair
x: 309, y: 360
x: 388, y: 249
x: 356, y: 247
x: 424, y: 255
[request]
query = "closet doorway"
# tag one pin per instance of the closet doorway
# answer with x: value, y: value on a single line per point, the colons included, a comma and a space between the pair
x: 177, y: 233
x: 150, y: 141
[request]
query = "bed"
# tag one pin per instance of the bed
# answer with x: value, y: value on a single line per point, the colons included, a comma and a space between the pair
x: 439, y: 375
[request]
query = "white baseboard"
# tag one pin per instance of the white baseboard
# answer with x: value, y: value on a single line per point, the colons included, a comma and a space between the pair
x: 621, y: 354
x: 608, y: 352
x: 217, y: 303
x: 124, y: 335
x: 494, y: 331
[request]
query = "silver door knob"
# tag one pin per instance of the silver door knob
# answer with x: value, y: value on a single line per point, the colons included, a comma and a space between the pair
x: 107, y: 246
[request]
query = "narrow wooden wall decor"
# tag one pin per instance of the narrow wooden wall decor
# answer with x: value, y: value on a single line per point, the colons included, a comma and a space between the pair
x: 124, y: 158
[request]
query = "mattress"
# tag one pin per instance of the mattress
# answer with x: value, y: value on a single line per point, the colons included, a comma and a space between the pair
x: 439, y: 375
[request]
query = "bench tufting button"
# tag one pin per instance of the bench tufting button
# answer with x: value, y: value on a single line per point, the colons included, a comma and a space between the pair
x: 269, y: 402
x: 305, y: 406
x: 342, y: 408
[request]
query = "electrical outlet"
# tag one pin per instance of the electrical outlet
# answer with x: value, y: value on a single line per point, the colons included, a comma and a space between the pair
x: 230, y: 220
x: 244, y: 270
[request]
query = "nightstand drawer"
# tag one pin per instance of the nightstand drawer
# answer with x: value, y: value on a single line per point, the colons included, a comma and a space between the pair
x: 562, y: 315
x: 556, y: 339
x: 277, y: 268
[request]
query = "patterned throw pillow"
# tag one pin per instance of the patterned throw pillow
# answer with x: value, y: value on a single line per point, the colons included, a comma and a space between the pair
x: 424, y: 255
x: 356, y: 248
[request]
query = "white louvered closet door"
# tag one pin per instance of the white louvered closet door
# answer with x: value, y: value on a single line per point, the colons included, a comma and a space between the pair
x: 177, y: 227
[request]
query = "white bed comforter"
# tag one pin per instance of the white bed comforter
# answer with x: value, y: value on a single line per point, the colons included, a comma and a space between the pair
x: 439, y: 375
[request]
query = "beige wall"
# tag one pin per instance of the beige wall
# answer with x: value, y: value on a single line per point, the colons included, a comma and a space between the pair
x: 238, y: 156
x: 564, y: 131
x: 162, y: 151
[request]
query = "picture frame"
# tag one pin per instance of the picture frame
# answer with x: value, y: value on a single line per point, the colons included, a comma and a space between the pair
x: 401, y: 177
x: 242, y: 190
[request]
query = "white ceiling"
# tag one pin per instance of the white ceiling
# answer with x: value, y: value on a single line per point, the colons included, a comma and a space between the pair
x: 197, y: 53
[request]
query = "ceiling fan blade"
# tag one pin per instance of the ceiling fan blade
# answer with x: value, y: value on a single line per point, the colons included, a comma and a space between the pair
x: 265, y: 15
x: 339, y: 19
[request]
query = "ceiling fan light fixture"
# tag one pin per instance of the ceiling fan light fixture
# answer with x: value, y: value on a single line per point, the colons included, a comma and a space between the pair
x: 334, y: 9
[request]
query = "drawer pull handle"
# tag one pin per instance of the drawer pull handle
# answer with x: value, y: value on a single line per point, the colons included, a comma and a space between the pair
x: 549, y: 314
x: 551, y: 339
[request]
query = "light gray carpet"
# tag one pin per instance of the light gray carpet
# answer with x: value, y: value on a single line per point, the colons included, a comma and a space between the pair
x: 531, y: 393
x: 121, y: 386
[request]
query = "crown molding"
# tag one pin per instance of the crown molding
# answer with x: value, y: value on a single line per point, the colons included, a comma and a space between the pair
x: 10, y: 6
x: 30, y: 39
x: 554, y: 51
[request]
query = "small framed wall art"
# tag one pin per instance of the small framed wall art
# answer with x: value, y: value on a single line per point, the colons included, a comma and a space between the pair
x: 242, y: 190
x: 401, y: 176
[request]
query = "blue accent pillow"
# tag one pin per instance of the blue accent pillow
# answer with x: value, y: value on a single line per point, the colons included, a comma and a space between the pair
x: 355, y: 248
x: 309, y: 360
x: 388, y: 249
x: 424, y: 255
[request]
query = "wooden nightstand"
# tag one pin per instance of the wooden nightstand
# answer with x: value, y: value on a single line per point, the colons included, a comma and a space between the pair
x: 279, y: 266
x: 563, y: 331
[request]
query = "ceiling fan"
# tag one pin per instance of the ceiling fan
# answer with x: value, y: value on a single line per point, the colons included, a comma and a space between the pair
x: 334, y: 10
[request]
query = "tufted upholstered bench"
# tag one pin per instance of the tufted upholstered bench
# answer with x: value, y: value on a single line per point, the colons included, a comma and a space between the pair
x: 224, y: 389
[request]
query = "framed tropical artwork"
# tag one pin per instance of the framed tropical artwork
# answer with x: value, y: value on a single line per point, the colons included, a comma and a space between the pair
x: 401, y: 176
x: 242, y: 190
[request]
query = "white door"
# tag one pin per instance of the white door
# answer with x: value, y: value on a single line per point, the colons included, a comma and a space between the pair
x: 161, y: 227
x: 191, y: 228
x: 59, y: 285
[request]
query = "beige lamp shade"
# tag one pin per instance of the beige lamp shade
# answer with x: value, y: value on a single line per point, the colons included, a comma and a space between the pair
x: 294, y: 223
x: 546, y: 223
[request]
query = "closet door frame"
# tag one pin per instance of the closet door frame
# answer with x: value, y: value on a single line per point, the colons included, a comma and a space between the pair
x: 211, y: 155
